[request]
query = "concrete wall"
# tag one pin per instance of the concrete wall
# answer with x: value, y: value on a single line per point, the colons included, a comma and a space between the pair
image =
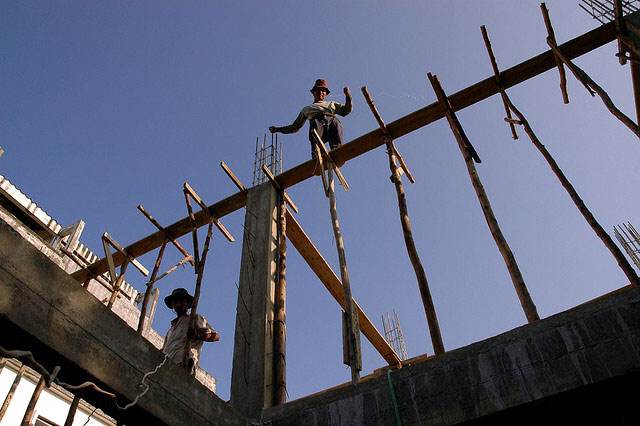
x: 581, y: 365
x: 45, y: 311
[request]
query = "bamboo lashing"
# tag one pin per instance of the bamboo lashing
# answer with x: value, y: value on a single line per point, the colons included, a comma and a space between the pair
x: 204, y: 207
x: 116, y: 280
x: 621, y: 30
x: 327, y: 156
x: 592, y: 87
x: 272, y: 178
x: 383, y: 127
x: 106, y: 237
x: 586, y: 213
x: 509, y: 118
x: 552, y: 36
x: 167, y: 235
x: 452, y: 119
x: 154, y: 274
x: 421, y: 276
x: 528, y: 306
x: 322, y: 168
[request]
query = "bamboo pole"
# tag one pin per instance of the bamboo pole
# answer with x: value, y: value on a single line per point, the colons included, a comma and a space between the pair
x: 28, y: 414
x: 552, y: 36
x: 591, y: 220
x: 72, y: 411
x: 421, y: 276
x: 12, y: 391
x: 147, y: 292
x: 352, y: 326
x: 528, y: 306
x: 586, y: 213
x: 280, y: 326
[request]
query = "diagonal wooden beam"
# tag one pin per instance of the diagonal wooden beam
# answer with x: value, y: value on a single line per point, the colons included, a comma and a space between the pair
x: 319, y: 265
x: 471, y: 95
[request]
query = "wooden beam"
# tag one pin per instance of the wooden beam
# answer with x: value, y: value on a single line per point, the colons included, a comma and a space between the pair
x: 471, y: 95
x: 319, y: 265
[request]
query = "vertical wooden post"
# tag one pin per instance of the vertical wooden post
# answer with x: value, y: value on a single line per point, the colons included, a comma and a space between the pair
x: 635, y: 78
x: 72, y: 411
x: 28, y: 414
x: 352, y: 325
x: 12, y: 391
x: 467, y: 151
x: 552, y: 36
x: 586, y: 213
x: 147, y: 292
x: 280, y: 326
x: 118, y: 282
x: 421, y: 276
x: 196, y: 295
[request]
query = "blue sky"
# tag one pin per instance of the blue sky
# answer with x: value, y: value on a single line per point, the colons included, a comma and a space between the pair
x: 107, y: 105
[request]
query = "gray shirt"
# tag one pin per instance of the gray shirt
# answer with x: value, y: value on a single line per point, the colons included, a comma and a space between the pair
x: 316, y: 109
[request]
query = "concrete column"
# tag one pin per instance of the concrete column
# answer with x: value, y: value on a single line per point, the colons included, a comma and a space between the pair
x: 252, y: 386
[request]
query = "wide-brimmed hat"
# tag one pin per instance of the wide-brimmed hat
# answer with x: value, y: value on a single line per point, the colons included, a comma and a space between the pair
x: 320, y: 84
x: 178, y: 293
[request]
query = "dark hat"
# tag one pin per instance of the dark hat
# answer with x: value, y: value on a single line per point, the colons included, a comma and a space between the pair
x: 178, y: 293
x: 321, y: 84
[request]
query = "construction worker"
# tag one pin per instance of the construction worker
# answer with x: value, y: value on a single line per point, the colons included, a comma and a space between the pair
x: 322, y: 117
x: 181, y: 301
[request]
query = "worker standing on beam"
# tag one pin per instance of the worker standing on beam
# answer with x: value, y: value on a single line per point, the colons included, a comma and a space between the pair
x: 322, y: 117
x: 180, y: 301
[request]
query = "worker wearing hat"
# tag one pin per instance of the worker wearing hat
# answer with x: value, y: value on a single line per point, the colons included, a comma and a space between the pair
x: 322, y: 116
x: 181, y: 301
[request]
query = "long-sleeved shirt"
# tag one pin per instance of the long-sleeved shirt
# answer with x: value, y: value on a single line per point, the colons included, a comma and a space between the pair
x: 315, y: 109
x: 177, y: 338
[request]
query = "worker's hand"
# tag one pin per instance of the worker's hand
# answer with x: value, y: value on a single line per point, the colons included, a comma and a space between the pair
x: 272, y: 129
x: 347, y: 91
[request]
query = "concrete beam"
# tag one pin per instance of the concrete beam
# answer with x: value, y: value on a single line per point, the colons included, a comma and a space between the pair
x: 45, y: 311
x: 407, y: 124
x: 580, y: 366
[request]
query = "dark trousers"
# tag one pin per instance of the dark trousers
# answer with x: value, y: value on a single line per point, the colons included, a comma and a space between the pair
x: 329, y: 129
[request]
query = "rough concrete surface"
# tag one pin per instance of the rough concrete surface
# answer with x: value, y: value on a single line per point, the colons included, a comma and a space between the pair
x: 588, y: 353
